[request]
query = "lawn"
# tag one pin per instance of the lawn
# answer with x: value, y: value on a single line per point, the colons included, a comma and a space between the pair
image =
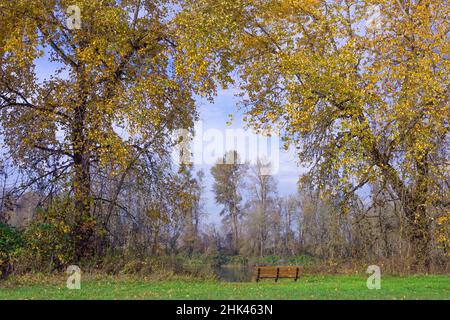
x: 309, y: 287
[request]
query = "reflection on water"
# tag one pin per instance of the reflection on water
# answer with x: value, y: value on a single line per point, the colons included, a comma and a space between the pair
x: 234, y: 273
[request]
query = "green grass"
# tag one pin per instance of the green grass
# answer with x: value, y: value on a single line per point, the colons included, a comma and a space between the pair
x: 309, y: 287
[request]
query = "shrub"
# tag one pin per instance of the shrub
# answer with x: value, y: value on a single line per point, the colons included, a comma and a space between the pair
x: 47, y: 245
x: 272, y: 259
x: 47, y: 240
x: 11, y: 244
x: 301, y: 260
x: 234, y: 260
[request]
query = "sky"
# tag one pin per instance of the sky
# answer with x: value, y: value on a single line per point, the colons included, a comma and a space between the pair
x: 215, y: 116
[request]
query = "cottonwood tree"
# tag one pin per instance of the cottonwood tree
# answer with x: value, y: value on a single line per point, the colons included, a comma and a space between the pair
x: 117, y: 86
x: 263, y: 191
x: 228, y: 174
x: 362, y: 102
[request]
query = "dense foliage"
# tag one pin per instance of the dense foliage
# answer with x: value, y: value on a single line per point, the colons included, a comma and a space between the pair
x: 10, y: 244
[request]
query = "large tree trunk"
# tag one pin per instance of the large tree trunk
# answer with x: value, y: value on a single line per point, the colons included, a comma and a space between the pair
x: 413, y: 199
x: 419, y: 237
x: 84, y: 223
x: 417, y: 217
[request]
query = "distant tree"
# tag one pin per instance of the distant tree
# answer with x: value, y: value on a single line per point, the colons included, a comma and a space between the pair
x: 289, y: 206
x: 264, y: 215
x: 229, y: 176
x: 191, y: 189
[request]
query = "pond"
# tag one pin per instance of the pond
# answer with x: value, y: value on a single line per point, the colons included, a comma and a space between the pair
x: 234, y: 273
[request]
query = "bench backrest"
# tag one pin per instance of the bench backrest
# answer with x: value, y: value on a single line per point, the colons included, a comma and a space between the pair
x: 277, y: 272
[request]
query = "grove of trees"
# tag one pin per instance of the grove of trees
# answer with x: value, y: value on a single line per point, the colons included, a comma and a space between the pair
x: 365, y: 105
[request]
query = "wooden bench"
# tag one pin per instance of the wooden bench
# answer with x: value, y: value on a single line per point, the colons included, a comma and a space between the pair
x: 290, y: 272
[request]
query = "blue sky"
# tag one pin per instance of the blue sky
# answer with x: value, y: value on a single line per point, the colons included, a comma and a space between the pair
x: 215, y: 115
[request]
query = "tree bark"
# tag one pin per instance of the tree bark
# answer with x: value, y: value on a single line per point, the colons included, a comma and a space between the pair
x: 419, y: 238
x: 413, y: 200
x: 83, y: 230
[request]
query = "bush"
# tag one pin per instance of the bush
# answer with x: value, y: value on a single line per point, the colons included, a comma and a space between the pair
x: 215, y: 259
x: 47, y: 244
x: 301, y: 260
x: 234, y: 260
x: 11, y: 244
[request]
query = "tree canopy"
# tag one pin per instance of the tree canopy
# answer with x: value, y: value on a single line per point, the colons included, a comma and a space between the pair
x: 116, y: 86
x: 363, y: 98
